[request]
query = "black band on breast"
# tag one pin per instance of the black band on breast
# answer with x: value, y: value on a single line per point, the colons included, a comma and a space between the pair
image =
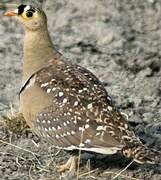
x: 25, y: 84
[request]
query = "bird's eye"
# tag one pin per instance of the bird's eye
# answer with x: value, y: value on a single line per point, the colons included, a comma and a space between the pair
x: 29, y: 14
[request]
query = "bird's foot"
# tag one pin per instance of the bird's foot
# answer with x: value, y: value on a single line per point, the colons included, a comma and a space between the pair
x: 70, y: 165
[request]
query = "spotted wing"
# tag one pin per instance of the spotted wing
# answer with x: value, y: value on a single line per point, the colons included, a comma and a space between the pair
x: 82, y: 114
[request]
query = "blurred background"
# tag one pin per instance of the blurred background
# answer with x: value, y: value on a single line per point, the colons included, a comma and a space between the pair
x: 118, y: 40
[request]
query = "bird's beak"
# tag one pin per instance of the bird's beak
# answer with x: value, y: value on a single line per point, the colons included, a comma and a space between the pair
x: 11, y: 13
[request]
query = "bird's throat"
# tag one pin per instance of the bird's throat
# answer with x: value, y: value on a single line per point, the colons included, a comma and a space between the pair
x: 38, y: 50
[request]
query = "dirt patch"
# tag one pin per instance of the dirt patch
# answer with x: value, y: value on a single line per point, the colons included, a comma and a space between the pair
x: 120, y: 42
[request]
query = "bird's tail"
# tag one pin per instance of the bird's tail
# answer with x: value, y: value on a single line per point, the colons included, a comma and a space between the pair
x: 142, y: 154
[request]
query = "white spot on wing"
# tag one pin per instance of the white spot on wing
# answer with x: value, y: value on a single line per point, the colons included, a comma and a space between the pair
x: 43, y: 121
x: 76, y: 103
x: 89, y: 106
x: 48, y: 90
x: 54, y: 88
x: 80, y: 91
x: 61, y: 94
x: 65, y: 100
x: 58, y: 127
x: 86, y: 126
x: 57, y: 136
x: 65, y: 124
x: 44, y: 85
x: 72, y: 132
x: 97, y: 134
x: 68, y: 122
x: 110, y: 108
x: 126, y: 126
x: 68, y: 133
x: 99, y: 128
x: 53, y: 128
x: 126, y: 137
x: 64, y: 134
x: 87, y: 120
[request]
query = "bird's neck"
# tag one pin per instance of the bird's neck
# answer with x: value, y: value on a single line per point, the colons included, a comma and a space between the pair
x: 38, y: 50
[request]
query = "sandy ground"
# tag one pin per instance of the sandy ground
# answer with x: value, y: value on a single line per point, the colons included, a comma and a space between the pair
x: 120, y: 42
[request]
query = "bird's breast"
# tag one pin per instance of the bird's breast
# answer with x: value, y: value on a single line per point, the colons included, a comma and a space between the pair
x: 32, y: 101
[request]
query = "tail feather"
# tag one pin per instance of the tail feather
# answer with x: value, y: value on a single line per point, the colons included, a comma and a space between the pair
x: 142, y: 154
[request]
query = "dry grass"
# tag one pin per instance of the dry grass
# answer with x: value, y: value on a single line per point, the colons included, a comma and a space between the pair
x: 10, y: 144
x: 79, y: 156
x: 120, y: 175
x: 90, y: 172
x: 15, y: 123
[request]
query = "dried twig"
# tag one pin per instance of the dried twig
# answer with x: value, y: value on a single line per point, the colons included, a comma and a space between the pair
x: 118, y: 174
x: 43, y: 169
x: 124, y: 176
x: 88, y: 173
x: 79, y: 156
x: 5, y: 142
x: 32, y: 165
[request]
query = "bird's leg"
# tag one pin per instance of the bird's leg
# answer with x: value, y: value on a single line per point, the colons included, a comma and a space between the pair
x: 70, y: 165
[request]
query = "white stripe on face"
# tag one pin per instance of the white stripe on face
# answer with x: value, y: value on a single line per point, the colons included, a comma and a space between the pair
x: 16, y: 11
x: 27, y: 8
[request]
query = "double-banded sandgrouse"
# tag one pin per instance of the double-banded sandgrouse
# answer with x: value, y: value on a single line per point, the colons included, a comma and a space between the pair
x: 66, y: 103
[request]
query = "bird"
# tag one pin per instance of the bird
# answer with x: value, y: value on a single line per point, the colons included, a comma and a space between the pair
x: 65, y: 103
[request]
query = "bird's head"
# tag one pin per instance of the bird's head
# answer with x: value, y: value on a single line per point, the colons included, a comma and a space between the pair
x: 31, y: 17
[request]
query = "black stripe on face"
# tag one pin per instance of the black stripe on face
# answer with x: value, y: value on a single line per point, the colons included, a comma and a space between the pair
x: 21, y: 9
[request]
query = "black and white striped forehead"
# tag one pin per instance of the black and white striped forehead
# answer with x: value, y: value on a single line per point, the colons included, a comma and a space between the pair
x: 24, y: 8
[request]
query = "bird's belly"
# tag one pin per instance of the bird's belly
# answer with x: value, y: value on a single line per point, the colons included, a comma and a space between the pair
x: 32, y: 101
